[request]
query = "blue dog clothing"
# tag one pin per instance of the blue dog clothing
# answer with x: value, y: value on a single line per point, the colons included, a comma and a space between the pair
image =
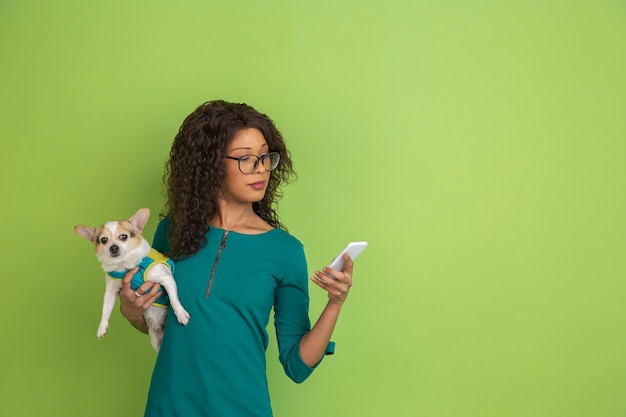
x: 153, y: 258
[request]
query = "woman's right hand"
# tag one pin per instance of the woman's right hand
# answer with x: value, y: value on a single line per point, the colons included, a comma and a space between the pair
x: 133, y: 303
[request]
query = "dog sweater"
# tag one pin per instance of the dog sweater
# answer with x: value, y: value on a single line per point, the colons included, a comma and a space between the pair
x: 152, y: 258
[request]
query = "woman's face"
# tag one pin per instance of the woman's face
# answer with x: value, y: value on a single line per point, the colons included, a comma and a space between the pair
x: 240, y: 187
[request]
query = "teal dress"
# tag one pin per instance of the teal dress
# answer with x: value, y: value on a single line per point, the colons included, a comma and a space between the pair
x: 215, y: 366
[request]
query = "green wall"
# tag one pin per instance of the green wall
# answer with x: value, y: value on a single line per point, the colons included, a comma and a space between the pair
x: 478, y: 146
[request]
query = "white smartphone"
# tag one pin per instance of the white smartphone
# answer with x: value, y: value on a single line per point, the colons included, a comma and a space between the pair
x: 353, y: 249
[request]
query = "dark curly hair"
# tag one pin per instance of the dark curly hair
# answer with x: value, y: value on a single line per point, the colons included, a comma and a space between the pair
x: 195, y: 173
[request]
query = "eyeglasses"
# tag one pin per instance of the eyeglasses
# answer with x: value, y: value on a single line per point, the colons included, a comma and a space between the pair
x: 249, y: 163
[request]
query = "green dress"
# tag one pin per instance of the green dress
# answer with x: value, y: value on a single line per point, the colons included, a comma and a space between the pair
x: 215, y: 366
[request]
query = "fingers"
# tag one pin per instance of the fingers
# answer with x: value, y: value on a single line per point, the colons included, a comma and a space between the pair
x: 149, y: 292
x: 128, y: 278
x: 337, y: 289
x: 345, y: 275
x: 336, y: 283
x: 145, y: 295
x: 140, y: 299
x: 349, y: 265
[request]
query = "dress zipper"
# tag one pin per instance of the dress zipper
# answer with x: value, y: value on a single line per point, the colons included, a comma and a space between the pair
x: 217, y: 258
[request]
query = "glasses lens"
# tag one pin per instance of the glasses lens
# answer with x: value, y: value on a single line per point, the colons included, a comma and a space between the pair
x: 247, y: 164
x: 270, y: 160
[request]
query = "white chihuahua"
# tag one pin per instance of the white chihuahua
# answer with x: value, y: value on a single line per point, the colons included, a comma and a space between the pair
x: 121, y: 247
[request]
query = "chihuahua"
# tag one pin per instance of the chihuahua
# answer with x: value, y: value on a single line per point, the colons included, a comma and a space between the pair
x: 121, y: 247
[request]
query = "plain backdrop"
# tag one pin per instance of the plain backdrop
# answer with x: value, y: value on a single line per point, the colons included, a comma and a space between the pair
x: 479, y: 146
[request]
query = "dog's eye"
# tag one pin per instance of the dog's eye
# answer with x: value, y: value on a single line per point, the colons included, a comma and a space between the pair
x: 123, y: 237
x: 104, y: 240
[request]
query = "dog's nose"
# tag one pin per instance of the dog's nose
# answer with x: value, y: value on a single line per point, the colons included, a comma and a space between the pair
x: 114, y: 249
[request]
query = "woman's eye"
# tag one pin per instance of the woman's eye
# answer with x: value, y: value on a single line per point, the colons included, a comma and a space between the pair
x: 244, y: 158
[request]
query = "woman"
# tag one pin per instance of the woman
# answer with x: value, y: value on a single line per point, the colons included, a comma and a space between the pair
x: 234, y: 264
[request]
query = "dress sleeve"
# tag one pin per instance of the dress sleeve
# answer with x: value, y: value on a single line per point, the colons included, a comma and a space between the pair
x: 291, y: 317
x: 159, y: 242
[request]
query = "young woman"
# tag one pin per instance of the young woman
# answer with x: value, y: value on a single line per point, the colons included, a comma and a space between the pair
x: 234, y: 264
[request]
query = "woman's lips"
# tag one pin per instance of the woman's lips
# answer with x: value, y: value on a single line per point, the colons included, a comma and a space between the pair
x: 259, y: 185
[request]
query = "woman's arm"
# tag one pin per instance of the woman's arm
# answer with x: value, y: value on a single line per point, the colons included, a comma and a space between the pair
x: 337, y: 284
x: 133, y: 306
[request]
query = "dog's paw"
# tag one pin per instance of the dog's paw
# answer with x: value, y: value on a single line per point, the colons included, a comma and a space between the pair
x: 102, y: 330
x: 182, y: 315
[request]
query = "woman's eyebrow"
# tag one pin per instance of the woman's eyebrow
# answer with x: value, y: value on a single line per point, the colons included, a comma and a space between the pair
x: 247, y: 147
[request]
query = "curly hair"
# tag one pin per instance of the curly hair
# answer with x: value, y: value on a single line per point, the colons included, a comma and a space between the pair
x: 195, y: 173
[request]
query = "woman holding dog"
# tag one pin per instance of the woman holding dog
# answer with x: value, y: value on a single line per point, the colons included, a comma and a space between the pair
x: 234, y: 264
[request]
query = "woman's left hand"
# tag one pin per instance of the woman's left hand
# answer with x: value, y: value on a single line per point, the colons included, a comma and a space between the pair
x: 336, y: 283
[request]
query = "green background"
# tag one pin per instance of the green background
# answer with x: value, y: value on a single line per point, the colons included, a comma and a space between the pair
x: 479, y: 146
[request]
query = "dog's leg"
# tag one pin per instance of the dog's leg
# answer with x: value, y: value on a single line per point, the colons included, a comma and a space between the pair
x: 155, y: 319
x: 181, y: 314
x: 162, y: 275
x: 156, y: 337
x: 112, y: 288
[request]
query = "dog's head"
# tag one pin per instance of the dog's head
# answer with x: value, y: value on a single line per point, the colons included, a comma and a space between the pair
x: 119, y: 244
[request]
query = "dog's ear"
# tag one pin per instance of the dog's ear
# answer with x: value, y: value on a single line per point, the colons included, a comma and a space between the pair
x: 88, y: 233
x: 140, y: 218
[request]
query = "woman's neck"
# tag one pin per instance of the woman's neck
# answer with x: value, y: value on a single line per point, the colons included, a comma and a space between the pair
x: 238, y: 218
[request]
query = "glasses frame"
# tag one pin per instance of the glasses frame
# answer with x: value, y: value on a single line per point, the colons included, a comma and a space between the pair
x: 259, y: 160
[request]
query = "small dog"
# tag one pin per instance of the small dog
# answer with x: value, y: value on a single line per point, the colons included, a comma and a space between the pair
x: 121, y: 247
